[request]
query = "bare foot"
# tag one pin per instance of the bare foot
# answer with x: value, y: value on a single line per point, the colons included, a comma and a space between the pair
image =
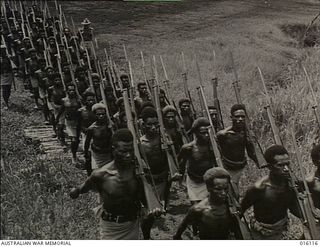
x: 74, y: 160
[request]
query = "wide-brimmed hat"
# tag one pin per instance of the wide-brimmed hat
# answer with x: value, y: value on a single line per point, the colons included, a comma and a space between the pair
x: 86, y: 22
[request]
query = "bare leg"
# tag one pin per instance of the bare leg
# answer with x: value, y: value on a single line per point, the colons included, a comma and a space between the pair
x: 74, y: 148
x: 146, y: 226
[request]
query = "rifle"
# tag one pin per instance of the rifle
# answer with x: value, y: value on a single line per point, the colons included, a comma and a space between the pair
x: 90, y: 71
x: 72, y: 73
x: 250, y: 134
x: 149, y: 88
x: 74, y: 30
x: 131, y: 86
x: 167, y: 144
x: 170, y: 100
x: 305, y: 199
x: 59, y: 66
x: 315, y: 103
x: 304, y: 206
x: 214, y: 82
x: 111, y: 124
x: 111, y: 79
x: 268, y: 107
x: 166, y: 83
x: 152, y: 198
x: 13, y: 65
x: 185, y: 86
x: 234, y: 206
x: 235, y: 84
x: 216, y: 102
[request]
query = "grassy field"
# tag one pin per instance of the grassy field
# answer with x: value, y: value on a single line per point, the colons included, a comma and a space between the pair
x: 34, y: 191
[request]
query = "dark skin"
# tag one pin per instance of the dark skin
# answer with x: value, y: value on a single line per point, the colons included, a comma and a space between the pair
x: 233, y: 140
x: 198, y: 154
x: 162, y: 99
x: 143, y: 95
x: 117, y: 183
x: 214, y: 117
x: 55, y: 95
x: 157, y: 161
x: 272, y: 197
x: 82, y: 82
x: 70, y: 107
x: 156, y: 158
x: 96, y: 86
x: 56, y: 92
x: 187, y: 119
x: 87, y: 117
x: 170, y: 125
x: 211, y: 214
x: 99, y: 133
x: 314, y: 184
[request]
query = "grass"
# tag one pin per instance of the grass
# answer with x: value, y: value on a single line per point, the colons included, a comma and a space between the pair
x: 34, y: 191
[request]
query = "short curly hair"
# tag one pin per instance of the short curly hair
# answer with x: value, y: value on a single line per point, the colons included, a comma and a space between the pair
x: 215, y: 172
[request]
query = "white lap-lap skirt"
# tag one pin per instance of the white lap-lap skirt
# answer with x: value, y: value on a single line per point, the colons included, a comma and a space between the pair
x: 34, y: 82
x: 71, y: 128
x: 98, y: 160
x: 117, y: 231
x: 196, y: 191
x: 56, y: 109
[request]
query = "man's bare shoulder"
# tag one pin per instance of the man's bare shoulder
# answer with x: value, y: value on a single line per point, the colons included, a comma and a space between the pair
x: 200, y: 206
x: 92, y: 126
x: 225, y: 131
x: 105, y: 170
x: 261, y: 184
x: 188, y: 146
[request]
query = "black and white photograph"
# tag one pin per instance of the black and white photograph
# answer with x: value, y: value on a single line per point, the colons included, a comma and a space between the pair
x: 160, y: 120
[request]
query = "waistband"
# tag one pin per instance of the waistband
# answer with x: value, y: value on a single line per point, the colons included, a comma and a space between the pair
x: 117, y: 218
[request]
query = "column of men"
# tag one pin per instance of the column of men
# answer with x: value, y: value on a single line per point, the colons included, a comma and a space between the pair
x: 58, y: 68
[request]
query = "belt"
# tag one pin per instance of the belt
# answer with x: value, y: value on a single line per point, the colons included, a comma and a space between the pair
x: 117, y: 218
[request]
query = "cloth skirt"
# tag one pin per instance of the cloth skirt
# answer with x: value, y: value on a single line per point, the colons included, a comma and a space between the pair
x: 196, y: 191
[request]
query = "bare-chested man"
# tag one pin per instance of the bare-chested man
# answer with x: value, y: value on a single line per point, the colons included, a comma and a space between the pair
x: 214, y: 117
x: 157, y: 160
x: 186, y: 114
x: 212, y: 214
x: 81, y: 79
x: 234, y: 142
x: 143, y: 96
x: 171, y: 126
x: 271, y: 197
x: 55, y: 95
x: 200, y: 158
x: 86, y: 119
x: 71, y: 105
x: 100, y: 134
x: 120, y: 189
x: 313, y: 180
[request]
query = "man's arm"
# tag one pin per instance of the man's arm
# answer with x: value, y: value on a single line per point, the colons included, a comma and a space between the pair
x: 250, y: 197
x: 88, y: 141
x: 251, y: 150
x: 192, y: 216
x: 79, y: 123
x: 89, y: 184
x: 294, y: 206
x: 62, y: 109
x: 183, y: 157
